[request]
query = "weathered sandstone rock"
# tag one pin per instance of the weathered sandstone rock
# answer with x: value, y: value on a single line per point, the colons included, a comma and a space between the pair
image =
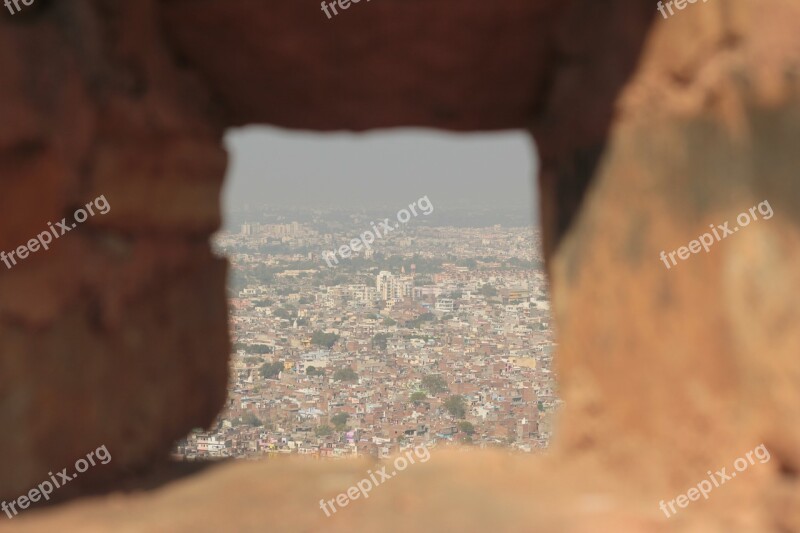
x: 648, y: 129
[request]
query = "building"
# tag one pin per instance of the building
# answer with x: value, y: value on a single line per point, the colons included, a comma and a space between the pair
x: 514, y: 296
x: 213, y: 445
x: 445, y: 305
x: 394, y: 288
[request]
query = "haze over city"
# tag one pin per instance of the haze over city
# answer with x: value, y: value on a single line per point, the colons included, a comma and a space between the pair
x: 347, y: 171
x: 388, y: 293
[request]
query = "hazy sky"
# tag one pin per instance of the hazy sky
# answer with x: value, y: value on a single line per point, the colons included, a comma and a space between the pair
x: 392, y: 167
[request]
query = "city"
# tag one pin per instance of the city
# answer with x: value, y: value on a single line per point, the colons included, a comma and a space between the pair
x: 438, y: 335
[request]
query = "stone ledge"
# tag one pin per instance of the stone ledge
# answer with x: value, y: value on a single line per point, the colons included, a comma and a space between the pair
x: 453, y: 491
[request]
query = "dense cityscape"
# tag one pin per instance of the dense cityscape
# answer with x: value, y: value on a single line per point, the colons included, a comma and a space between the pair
x: 437, y: 335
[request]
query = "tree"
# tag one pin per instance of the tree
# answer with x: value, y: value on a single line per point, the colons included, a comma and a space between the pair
x: 263, y: 274
x: 284, y: 313
x: 345, y: 374
x: 248, y: 419
x: 417, y: 322
x: 339, y: 421
x: 324, y: 339
x: 323, y: 431
x: 487, y: 290
x: 271, y: 370
x: 237, y: 281
x: 456, y: 406
x: 466, y: 427
x: 418, y: 397
x: 434, y: 384
x: 239, y: 346
x: 380, y: 341
x: 389, y: 322
x: 260, y: 348
x: 312, y: 371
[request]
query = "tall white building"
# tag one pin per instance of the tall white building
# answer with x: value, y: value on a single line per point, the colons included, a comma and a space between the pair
x: 385, y: 284
x: 391, y: 287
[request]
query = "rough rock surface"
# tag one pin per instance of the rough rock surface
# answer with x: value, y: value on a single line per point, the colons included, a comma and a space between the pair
x: 452, y: 491
x: 681, y: 370
x: 649, y: 130
x: 100, y: 336
x: 454, y: 64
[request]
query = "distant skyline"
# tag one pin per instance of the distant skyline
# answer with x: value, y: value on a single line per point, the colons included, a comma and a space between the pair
x: 350, y: 171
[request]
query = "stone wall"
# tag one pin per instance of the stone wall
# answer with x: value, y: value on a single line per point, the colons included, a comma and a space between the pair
x: 117, y: 334
x: 648, y: 129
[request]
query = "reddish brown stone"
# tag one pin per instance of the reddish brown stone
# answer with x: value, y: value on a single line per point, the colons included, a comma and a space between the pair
x: 649, y: 130
x: 454, y: 64
x: 117, y: 335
